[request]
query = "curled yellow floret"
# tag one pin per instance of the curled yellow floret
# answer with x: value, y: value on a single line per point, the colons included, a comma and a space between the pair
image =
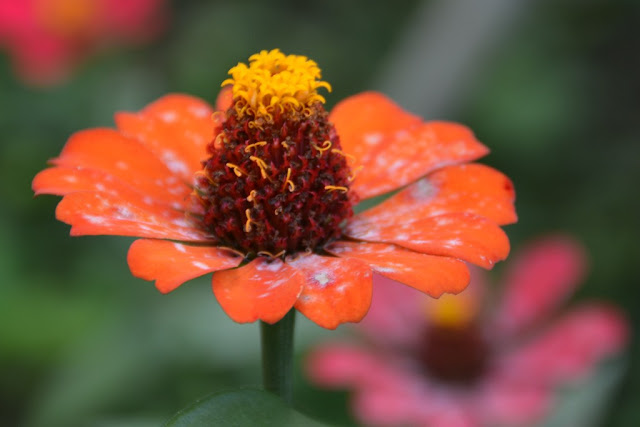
x: 275, y: 83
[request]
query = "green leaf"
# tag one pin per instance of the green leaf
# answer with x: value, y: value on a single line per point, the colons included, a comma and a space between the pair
x: 240, y: 408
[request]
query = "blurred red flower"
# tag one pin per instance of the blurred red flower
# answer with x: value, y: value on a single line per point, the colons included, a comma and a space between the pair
x: 464, y: 361
x: 272, y: 192
x: 46, y: 39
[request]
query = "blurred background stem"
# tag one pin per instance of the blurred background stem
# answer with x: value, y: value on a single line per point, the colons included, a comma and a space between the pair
x: 443, y: 47
x: 277, y: 356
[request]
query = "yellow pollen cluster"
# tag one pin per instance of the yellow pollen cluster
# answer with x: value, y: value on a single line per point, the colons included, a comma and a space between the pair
x: 275, y: 83
x: 452, y: 311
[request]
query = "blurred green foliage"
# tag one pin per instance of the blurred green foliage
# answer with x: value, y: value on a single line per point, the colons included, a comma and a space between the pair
x: 82, y: 342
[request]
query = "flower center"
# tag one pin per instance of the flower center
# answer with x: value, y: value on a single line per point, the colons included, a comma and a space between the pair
x: 455, y: 354
x: 277, y: 181
x: 454, y: 349
x: 66, y: 17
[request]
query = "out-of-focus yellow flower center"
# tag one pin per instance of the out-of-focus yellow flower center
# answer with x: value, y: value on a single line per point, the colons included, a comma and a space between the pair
x: 452, y: 311
x: 274, y: 83
x: 66, y: 17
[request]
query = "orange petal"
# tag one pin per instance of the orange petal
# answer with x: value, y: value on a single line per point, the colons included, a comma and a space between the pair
x: 108, y: 151
x: 430, y: 274
x: 461, y: 235
x: 261, y: 290
x: 363, y: 120
x: 91, y: 213
x: 336, y: 290
x: 171, y: 264
x: 394, y: 147
x: 65, y: 180
x: 225, y: 99
x: 472, y: 188
x: 175, y: 128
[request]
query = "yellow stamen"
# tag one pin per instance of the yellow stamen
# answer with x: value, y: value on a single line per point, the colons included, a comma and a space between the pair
x: 343, y: 154
x: 256, y: 144
x: 355, y: 171
x: 247, y: 225
x: 325, y: 146
x: 234, y: 251
x: 269, y: 254
x: 274, y: 83
x: 254, y: 124
x: 288, y: 182
x: 217, y: 117
x: 203, y: 174
x: 219, y: 141
x: 252, y: 196
x: 285, y: 145
x: 237, y: 169
x: 194, y: 193
x: 336, y: 188
x: 261, y: 164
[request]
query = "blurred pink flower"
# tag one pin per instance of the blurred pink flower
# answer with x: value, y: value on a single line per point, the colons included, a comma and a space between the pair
x: 46, y: 39
x: 461, y: 361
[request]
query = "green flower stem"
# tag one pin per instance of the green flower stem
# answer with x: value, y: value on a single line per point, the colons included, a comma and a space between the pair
x: 277, y: 356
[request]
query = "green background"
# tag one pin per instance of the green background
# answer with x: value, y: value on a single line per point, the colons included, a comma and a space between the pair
x: 550, y: 86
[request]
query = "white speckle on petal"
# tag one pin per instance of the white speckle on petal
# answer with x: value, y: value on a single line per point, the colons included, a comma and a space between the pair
x: 276, y: 284
x: 372, y: 138
x: 124, y: 213
x: 385, y: 269
x: 422, y: 190
x: 201, y: 112
x: 306, y: 298
x: 122, y: 165
x: 181, y: 222
x: 341, y: 288
x: 174, y: 164
x: 266, y: 266
x: 200, y: 265
x: 398, y: 164
x: 402, y: 134
x: 180, y: 248
x: 97, y: 220
x: 169, y: 116
x: 441, y: 222
x: 322, y: 277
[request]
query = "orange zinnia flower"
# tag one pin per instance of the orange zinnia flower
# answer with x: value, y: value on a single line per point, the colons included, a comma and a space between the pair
x: 263, y: 195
